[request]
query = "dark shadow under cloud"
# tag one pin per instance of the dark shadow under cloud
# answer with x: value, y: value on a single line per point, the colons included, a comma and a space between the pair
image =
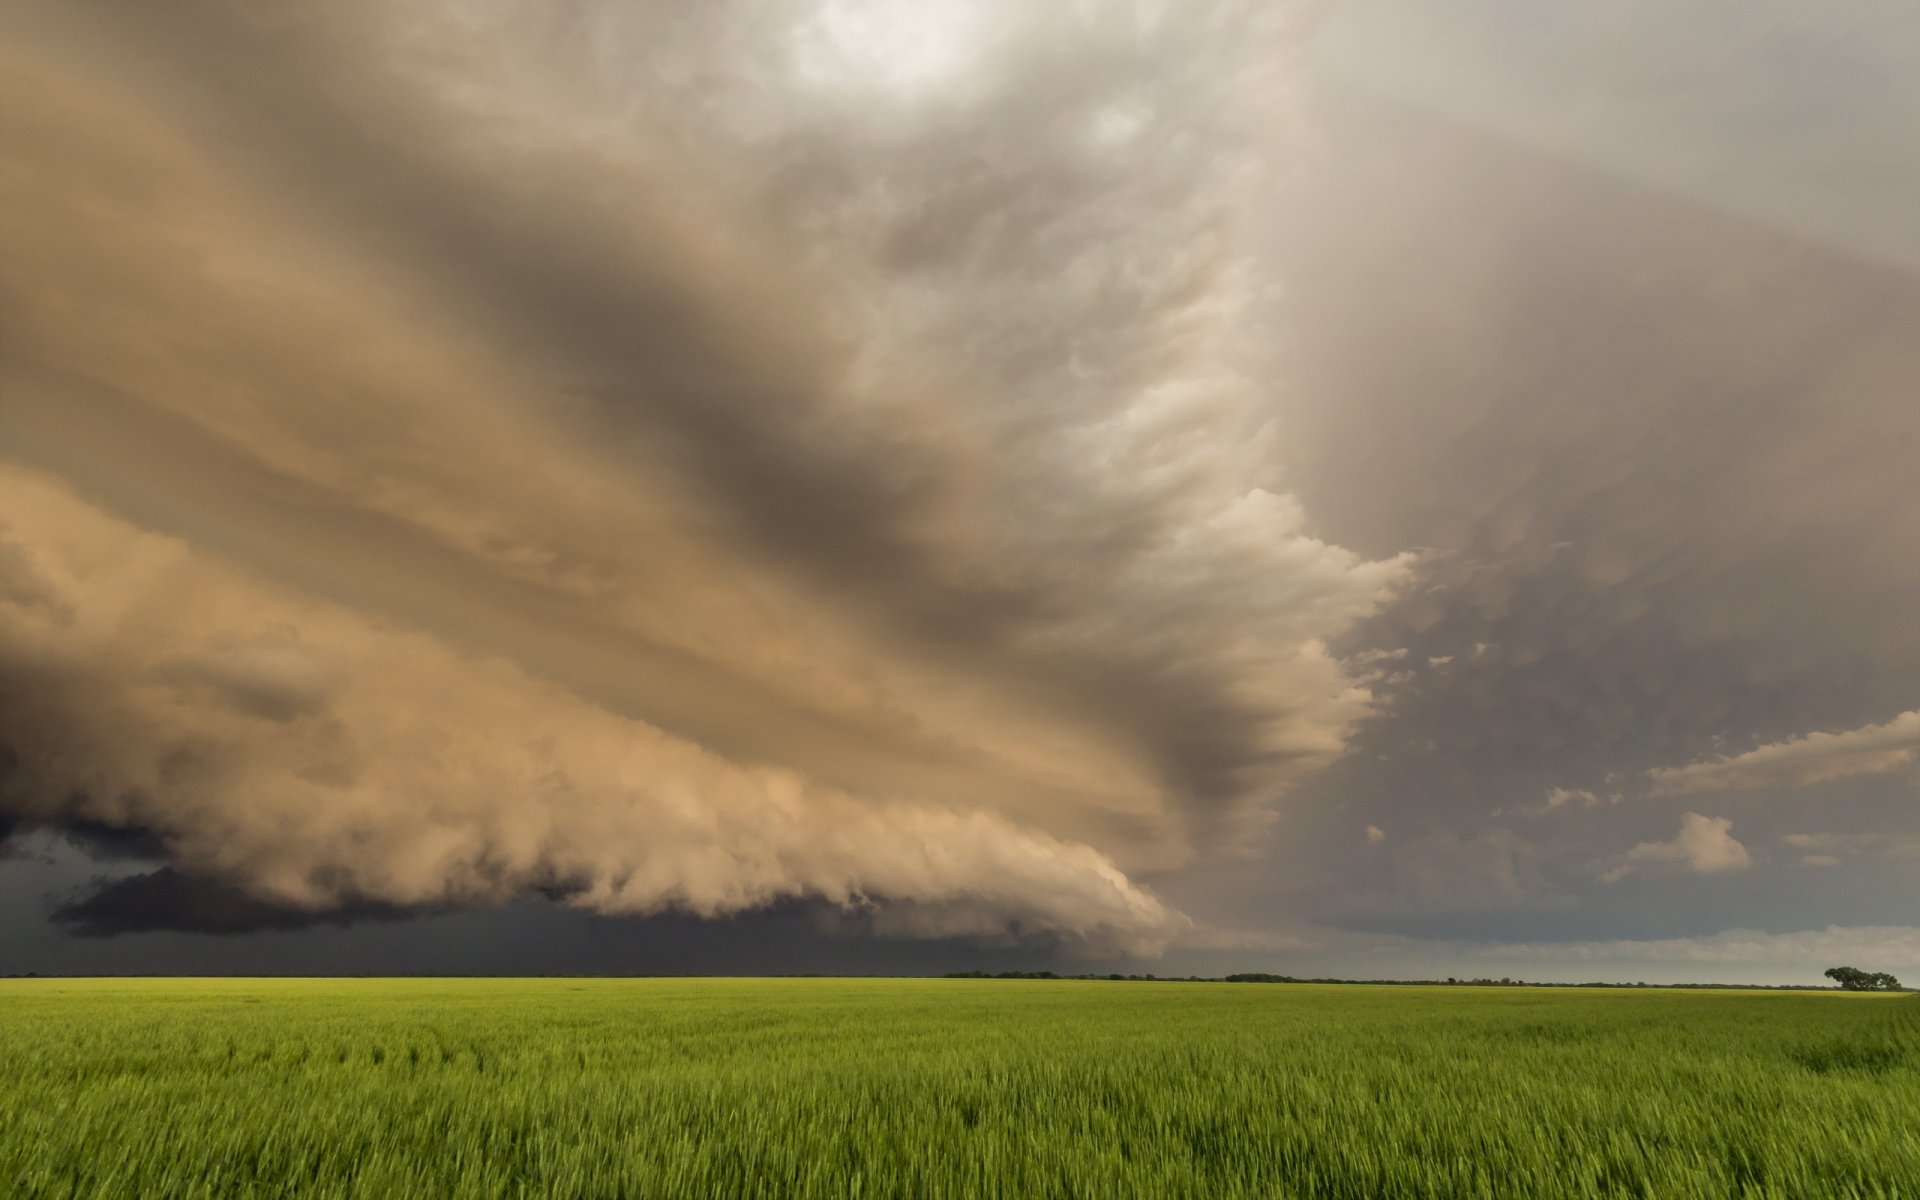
x: 169, y: 901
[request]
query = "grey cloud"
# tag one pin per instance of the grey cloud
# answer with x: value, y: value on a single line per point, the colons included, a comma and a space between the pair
x: 1446, y: 870
x: 1616, y: 418
x: 1658, y: 455
x: 1769, y: 109
x: 1429, y: 871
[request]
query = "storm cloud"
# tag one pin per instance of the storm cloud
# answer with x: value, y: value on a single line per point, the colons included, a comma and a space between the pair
x: 1123, y: 479
x: 442, y: 464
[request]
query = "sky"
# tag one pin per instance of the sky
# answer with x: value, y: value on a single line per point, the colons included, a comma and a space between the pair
x: 844, y: 486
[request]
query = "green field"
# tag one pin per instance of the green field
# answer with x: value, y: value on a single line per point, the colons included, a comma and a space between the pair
x: 831, y: 1088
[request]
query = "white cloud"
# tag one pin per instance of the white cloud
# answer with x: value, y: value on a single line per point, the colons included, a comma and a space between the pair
x: 1811, y: 758
x: 1561, y: 799
x: 1704, y: 846
x: 1884, y: 946
x: 1831, y: 849
x: 897, y: 51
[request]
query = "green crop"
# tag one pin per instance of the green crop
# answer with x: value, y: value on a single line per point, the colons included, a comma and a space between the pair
x: 900, y: 1088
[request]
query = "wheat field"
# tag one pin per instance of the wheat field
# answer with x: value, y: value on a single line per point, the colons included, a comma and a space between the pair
x: 951, y: 1088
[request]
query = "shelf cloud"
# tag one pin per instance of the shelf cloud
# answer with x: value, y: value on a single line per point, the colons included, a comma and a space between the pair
x: 445, y: 465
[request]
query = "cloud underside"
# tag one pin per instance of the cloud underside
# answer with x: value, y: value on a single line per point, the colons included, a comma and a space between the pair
x: 166, y: 900
x: 439, y: 469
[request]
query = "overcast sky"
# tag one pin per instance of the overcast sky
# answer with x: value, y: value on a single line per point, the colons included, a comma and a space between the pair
x: 844, y: 485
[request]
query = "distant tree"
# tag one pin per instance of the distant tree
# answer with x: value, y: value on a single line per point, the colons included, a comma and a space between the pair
x: 1853, y: 979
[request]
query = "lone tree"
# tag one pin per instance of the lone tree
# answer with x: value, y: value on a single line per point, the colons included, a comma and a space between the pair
x: 1853, y: 979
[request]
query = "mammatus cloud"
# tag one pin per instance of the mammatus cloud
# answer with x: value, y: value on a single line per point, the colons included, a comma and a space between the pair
x: 1811, y: 758
x: 441, y: 462
x: 1704, y: 846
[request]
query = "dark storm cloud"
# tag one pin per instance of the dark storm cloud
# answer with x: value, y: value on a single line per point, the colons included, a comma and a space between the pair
x: 484, y: 467
x: 102, y: 842
x: 168, y: 901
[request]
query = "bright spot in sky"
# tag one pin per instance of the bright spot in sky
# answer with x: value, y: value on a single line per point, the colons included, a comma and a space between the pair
x: 905, y: 48
x: 1117, y: 126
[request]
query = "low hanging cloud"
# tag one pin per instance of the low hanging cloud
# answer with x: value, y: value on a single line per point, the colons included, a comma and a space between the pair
x: 1704, y: 846
x: 321, y: 759
x: 1812, y: 758
x: 441, y: 464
